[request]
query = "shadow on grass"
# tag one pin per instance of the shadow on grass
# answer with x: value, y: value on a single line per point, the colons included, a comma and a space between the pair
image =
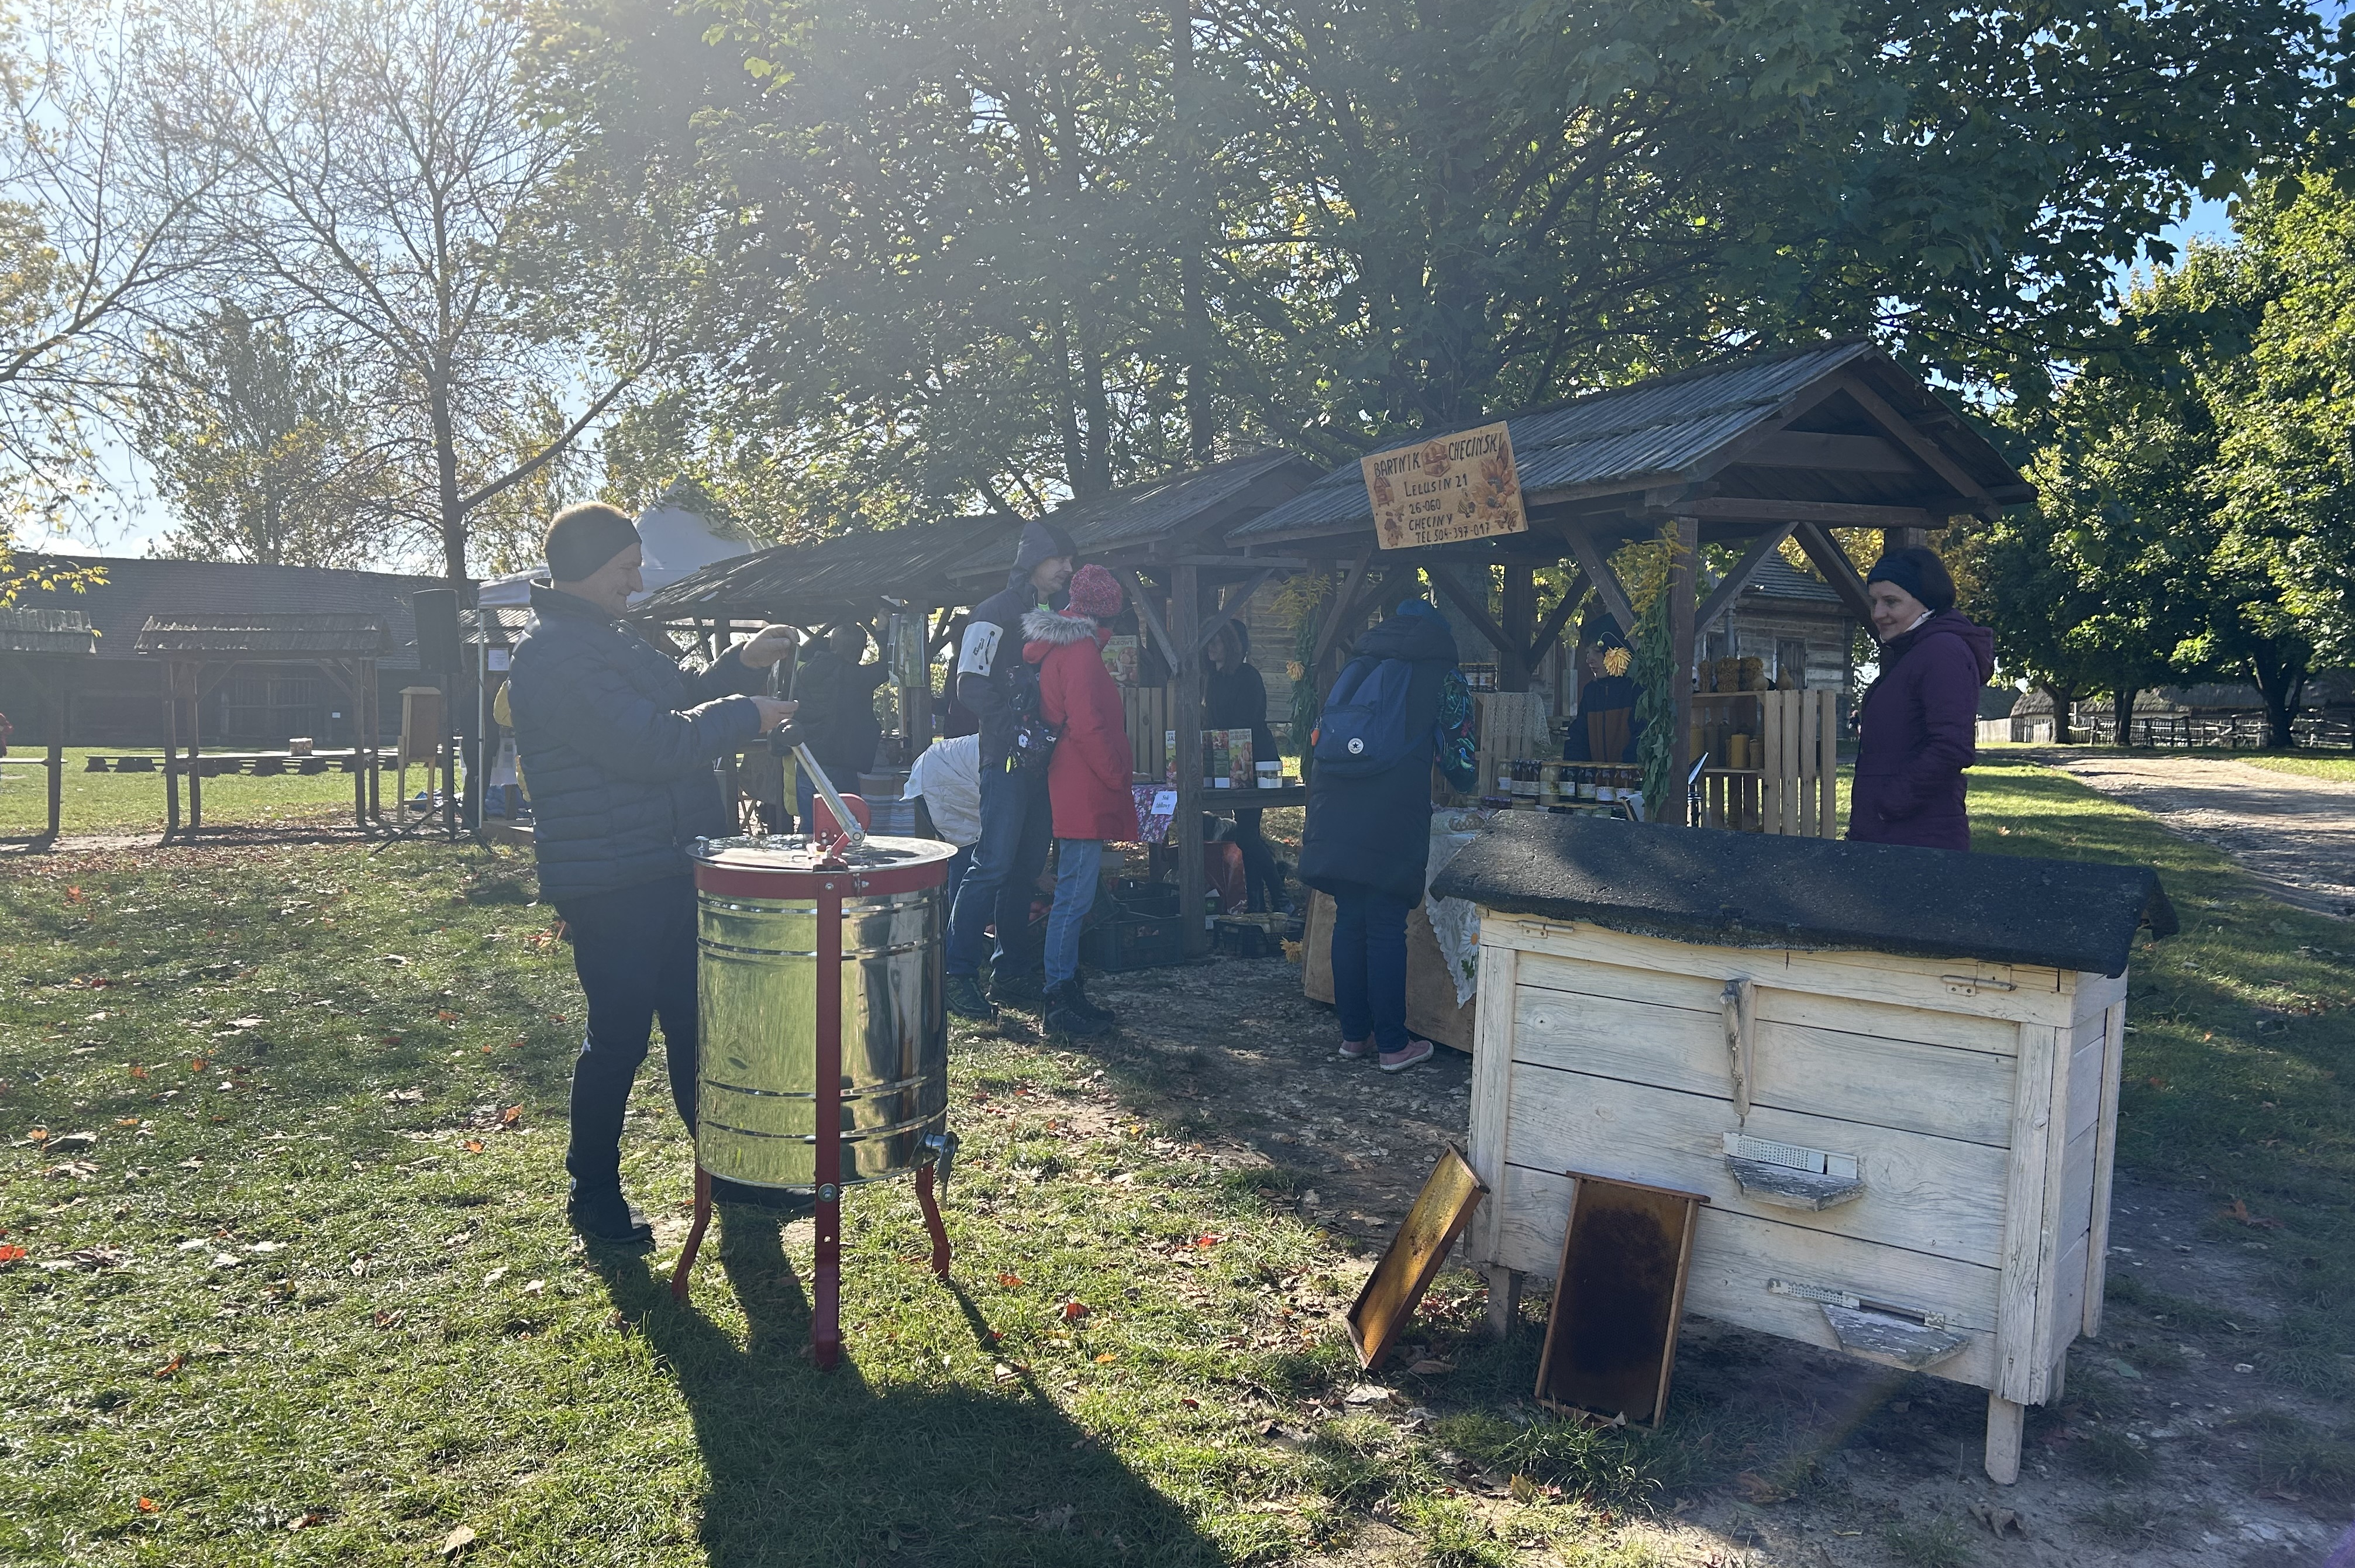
x: 810, y: 1467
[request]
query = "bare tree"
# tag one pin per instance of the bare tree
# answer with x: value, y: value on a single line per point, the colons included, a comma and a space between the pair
x: 388, y: 180
x: 97, y: 242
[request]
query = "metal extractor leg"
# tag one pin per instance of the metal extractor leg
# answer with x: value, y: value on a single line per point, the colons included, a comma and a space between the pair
x: 942, y: 1148
x: 826, y: 1295
x: 694, y: 1235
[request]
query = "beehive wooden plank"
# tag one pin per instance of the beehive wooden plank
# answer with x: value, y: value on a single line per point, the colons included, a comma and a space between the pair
x: 2068, y: 1301
x: 2034, y: 994
x: 1492, y: 1066
x: 1938, y: 1196
x: 2085, y: 1080
x: 1800, y: 1009
x: 2105, y: 1132
x: 1735, y: 1255
x: 1928, y: 1089
x: 2030, y: 1218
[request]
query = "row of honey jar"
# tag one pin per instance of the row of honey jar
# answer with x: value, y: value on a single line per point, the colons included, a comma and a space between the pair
x: 1537, y: 783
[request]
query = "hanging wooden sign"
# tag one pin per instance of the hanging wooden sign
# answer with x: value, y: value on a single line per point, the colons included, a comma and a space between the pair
x: 1446, y: 490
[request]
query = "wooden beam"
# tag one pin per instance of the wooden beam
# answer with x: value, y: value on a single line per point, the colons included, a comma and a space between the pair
x: 1684, y: 569
x: 1833, y: 513
x: 1573, y: 591
x: 1144, y: 612
x: 1248, y: 562
x: 1475, y: 610
x: 1932, y: 456
x: 1811, y: 449
x: 1345, y: 597
x: 1186, y: 718
x: 1761, y: 549
x: 1592, y: 561
x: 1838, y: 569
x: 1230, y: 607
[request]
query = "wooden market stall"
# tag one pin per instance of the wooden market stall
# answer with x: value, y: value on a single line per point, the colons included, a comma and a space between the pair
x: 1749, y: 450
x: 46, y: 646
x: 198, y: 652
x: 1892, y: 1072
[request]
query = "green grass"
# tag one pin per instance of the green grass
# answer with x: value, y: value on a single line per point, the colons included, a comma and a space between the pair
x: 1938, y: 1543
x: 2339, y: 768
x: 133, y: 803
x: 293, y: 1292
x: 2238, y: 1070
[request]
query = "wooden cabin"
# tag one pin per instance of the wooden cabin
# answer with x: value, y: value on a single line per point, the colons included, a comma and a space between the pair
x: 1892, y: 1073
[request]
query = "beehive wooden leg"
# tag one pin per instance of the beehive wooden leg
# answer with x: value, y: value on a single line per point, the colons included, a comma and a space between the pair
x: 2004, y: 1422
x: 1504, y: 1300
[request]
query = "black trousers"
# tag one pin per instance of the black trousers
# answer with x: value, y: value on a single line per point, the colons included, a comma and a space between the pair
x: 1262, y: 888
x: 634, y: 951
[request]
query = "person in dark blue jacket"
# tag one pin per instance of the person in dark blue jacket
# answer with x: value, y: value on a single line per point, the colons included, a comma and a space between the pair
x: 1367, y: 838
x: 618, y: 743
x: 1016, y: 820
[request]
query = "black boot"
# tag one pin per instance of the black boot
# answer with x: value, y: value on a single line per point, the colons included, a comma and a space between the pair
x: 607, y: 1217
x: 1076, y: 998
x: 966, y: 1000
x: 1024, y: 989
x: 1064, y: 1016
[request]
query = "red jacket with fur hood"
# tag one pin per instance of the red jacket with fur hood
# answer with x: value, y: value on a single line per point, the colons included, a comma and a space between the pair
x: 1088, y: 778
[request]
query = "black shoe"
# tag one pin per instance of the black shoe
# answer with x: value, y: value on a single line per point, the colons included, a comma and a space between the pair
x: 966, y: 1000
x: 608, y: 1219
x: 1076, y: 998
x: 1064, y: 1016
x: 774, y: 1201
x: 1026, y: 990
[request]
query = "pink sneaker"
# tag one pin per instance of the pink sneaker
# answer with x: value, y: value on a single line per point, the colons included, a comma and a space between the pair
x: 1357, y: 1049
x: 1413, y: 1054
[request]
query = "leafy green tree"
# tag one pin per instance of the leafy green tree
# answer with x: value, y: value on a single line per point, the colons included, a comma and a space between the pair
x: 257, y: 445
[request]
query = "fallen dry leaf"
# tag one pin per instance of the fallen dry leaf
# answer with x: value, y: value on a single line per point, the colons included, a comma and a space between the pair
x: 1010, y: 1281
x: 1432, y: 1366
x: 148, y: 1505
x: 73, y: 895
x: 170, y: 1367
x: 1367, y: 1393
x: 2238, y: 1213
x: 1105, y: 1358
x: 462, y: 1537
x: 511, y: 1116
x: 1074, y: 1310
x: 473, y: 1145
x: 11, y: 1255
x: 1757, y: 1489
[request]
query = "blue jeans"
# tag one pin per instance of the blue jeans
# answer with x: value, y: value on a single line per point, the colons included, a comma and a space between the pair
x: 634, y: 950
x: 1016, y: 824
x: 1079, y: 862
x: 1369, y: 967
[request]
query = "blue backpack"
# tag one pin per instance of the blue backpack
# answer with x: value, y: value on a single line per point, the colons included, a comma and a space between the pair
x: 1363, y: 730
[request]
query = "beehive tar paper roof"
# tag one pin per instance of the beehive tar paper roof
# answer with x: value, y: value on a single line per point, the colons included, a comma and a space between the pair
x: 1749, y: 889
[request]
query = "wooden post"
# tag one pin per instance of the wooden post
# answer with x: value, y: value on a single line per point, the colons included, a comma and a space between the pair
x: 171, y: 748
x: 1185, y: 623
x: 195, y: 742
x: 56, y: 745
x: 1684, y: 565
x: 1520, y: 627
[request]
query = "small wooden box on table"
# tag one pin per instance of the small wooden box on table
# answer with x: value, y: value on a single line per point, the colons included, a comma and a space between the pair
x: 1893, y: 1071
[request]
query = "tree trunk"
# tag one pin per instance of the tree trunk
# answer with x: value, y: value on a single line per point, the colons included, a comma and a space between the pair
x: 2064, y: 697
x: 2282, y: 684
x: 445, y: 475
x: 2122, y: 699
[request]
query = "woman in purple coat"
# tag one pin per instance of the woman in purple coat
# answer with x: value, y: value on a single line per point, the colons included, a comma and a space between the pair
x: 1919, y: 718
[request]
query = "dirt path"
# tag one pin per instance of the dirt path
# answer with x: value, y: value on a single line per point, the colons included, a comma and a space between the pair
x: 2167, y: 1451
x: 2295, y: 835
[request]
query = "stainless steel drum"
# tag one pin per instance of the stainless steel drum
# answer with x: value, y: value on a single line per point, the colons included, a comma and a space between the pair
x: 757, y: 1090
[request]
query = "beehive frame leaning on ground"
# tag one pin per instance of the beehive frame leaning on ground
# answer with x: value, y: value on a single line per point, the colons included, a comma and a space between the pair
x: 1907, y: 1155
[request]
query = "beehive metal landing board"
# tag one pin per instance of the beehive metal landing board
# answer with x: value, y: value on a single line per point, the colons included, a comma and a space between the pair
x: 1439, y: 1213
x: 1611, y: 1339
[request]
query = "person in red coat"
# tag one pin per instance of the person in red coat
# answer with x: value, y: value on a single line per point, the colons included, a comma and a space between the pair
x: 1088, y: 777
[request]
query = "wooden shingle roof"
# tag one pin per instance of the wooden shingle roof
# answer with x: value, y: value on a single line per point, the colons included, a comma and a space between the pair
x: 288, y: 638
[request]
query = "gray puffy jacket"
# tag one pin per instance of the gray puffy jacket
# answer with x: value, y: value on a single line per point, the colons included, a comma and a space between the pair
x: 617, y: 742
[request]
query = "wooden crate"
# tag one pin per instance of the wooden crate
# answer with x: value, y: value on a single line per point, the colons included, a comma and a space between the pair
x: 1906, y: 1158
x: 1513, y: 725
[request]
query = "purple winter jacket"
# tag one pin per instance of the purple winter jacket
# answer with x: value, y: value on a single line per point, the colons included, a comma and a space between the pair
x: 1919, y: 725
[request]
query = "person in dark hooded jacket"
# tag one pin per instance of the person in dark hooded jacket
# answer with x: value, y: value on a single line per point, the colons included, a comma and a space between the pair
x: 1368, y: 839
x: 1919, y: 720
x: 836, y: 694
x: 1017, y: 821
x: 618, y: 743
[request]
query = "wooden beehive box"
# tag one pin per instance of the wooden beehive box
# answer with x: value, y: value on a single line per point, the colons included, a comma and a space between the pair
x: 1893, y: 1070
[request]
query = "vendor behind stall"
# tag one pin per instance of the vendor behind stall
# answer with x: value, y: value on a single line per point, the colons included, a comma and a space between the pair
x: 838, y: 720
x: 1400, y: 707
x: 1235, y: 697
x: 1606, y: 729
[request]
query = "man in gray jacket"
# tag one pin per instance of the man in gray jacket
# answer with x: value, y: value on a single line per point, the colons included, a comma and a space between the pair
x: 617, y: 743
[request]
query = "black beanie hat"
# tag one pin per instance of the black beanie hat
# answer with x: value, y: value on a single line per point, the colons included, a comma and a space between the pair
x: 586, y: 537
x: 1041, y: 541
x: 1920, y: 572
